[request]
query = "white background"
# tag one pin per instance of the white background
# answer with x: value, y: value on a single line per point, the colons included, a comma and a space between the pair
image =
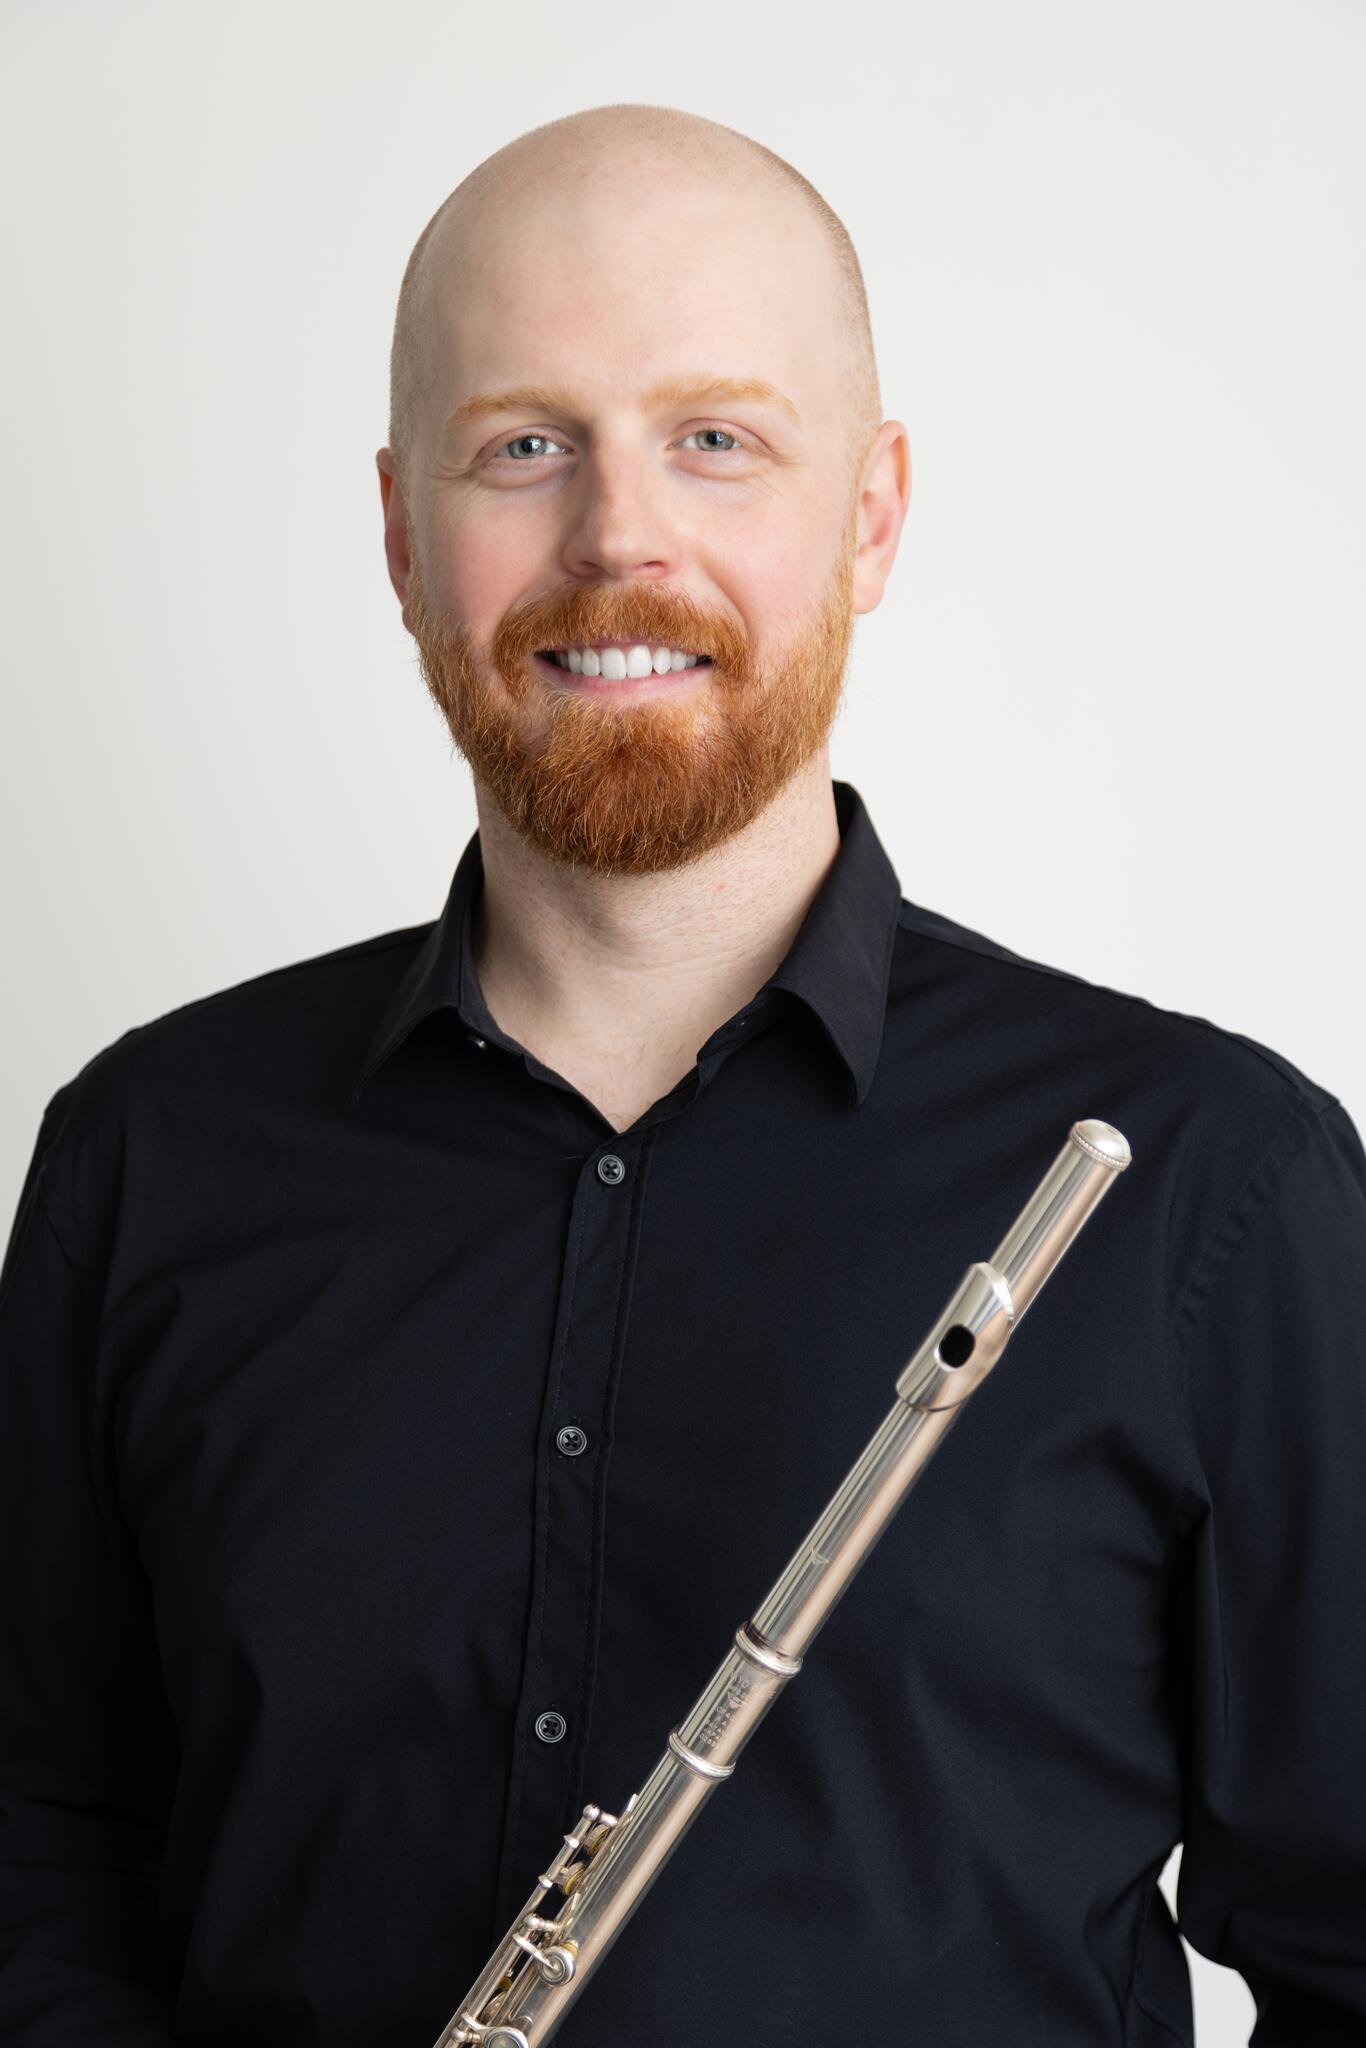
x: 1110, y: 711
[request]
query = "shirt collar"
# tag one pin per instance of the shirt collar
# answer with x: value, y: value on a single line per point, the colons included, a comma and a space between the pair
x: 838, y: 964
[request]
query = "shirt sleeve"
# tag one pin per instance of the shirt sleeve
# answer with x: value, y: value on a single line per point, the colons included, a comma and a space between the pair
x: 1272, y: 1334
x: 86, y: 1737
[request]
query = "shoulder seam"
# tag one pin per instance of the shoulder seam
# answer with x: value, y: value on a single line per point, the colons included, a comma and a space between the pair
x: 33, y: 1212
x: 43, y: 1210
x: 1240, y: 1212
x: 1244, y: 1208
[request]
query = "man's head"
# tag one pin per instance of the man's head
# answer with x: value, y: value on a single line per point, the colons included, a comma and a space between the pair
x: 685, y: 453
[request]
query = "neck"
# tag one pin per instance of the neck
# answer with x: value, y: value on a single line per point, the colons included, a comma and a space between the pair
x: 627, y: 975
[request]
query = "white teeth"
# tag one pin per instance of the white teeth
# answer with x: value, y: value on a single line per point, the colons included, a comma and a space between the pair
x: 616, y: 663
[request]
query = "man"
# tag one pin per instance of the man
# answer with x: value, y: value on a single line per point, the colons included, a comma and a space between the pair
x: 418, y: 1361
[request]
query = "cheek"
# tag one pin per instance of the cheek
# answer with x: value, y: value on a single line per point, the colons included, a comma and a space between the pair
x: 770, y: 563
x: 766, y: 593
x: 483, y: 574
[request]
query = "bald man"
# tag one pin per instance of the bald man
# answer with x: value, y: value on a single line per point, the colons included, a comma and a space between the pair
x: 630, y: 553
x: 416, y: 1362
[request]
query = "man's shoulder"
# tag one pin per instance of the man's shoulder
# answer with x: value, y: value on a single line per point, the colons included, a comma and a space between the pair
x: 290, y: 1035
x: 1044, y: 1006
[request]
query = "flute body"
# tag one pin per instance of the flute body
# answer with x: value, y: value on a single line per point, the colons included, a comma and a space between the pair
x: 588, y: 1892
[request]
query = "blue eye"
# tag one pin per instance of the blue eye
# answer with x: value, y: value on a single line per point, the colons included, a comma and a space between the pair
x: 529, y: 437
x: 545, y: 441
x: 723, y: 431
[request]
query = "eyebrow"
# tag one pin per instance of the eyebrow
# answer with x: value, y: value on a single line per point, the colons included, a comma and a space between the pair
x: 673, y: 391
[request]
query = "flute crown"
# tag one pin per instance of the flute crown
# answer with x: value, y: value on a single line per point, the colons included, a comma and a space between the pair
x: 1102, y: 1141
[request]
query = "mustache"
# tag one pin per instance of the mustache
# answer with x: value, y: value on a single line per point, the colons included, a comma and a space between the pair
x: 655, y: 618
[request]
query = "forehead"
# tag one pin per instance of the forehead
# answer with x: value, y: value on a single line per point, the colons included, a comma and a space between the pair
x: 614, y: 282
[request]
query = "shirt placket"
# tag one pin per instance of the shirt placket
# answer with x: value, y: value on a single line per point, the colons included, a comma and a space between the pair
x: 572, y: 1456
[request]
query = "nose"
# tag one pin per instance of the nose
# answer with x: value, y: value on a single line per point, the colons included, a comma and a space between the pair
x: 620, y: 526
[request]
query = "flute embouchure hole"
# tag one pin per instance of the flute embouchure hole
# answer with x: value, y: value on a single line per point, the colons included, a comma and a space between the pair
x: 956, y: 1346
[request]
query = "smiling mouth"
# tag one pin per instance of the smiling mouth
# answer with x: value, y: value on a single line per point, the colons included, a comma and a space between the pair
x: 621, y: 661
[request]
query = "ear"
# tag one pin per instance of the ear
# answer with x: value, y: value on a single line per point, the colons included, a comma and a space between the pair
x: 884, y: 497
x: 396, y: 549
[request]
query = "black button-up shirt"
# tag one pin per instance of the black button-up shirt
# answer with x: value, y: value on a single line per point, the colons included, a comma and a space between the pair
x: 391, y: 1448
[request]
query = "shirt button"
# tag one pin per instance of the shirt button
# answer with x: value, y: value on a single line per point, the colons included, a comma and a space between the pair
x: 551, y: 1727
x: 611, y: 1170
x: 571, y: 1440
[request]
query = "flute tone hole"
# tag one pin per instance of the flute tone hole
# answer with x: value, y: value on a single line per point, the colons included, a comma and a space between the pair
x: 956, y: 1346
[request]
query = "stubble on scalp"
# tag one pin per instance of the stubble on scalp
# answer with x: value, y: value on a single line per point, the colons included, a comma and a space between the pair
x: 565, y: 151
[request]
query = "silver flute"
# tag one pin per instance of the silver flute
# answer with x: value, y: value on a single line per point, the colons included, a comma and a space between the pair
x: 608, y: 1863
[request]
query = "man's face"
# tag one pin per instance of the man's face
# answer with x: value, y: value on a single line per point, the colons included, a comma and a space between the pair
x: 707, y: 523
